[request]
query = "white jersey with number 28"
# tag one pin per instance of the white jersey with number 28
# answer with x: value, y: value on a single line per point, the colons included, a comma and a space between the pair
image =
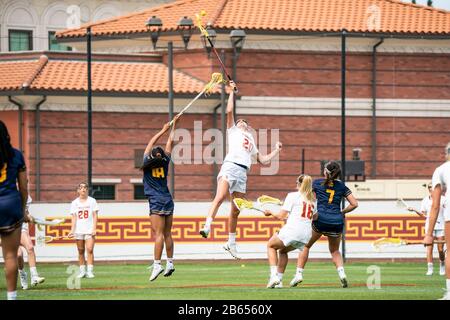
x: 83, y: 212
x: 241, y: 146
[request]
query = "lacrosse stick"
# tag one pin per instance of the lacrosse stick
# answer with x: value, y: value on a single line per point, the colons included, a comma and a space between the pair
x: 397, y: 242
x: 402, y: 204
x: 260, y: 204
x: 204, y: 32
x: 216, y: 78
x: 40, y: 240
x: 43, y: 222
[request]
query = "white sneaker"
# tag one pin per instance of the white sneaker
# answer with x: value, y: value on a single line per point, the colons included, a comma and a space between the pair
x: 157, y: 270
x: 169, y: 270
x: 205, y: 232
x: 446, y: 296
x: 297, y: 279
x: 231, y: 248
x: 23, y: 279
x: 429, y: 272
x: 90, y: 275
x: 82, y: 274
x: 344, y: 282
x: 273, y: 281
x: 442, y: 270
x: 279, y: 286
x: 36, y: 280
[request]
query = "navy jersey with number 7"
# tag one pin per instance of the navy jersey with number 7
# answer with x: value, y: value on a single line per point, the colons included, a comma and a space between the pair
x: 329, y: 198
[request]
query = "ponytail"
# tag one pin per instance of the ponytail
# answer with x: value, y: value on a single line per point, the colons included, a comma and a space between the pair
x: 304, y: 183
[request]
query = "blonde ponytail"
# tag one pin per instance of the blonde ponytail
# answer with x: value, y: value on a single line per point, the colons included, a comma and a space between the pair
x: 305, y: 188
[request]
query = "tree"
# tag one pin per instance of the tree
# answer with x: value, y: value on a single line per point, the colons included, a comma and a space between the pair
x: 430, y: 3
x: 414, y: 1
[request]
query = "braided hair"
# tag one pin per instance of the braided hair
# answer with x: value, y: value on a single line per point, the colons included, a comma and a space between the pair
x: 332, y: 171
x: 6, y: 150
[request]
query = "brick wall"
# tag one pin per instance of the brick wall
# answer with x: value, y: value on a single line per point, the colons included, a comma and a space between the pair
x: 407, y: 148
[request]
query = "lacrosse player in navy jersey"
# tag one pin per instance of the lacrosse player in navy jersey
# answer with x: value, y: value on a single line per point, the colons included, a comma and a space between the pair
x: 156, y: 167
x: 329, y: 220
x: 12, y: 206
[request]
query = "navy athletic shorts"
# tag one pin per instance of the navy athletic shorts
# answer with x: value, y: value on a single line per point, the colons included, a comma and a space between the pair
x: 329, y: 230
x: 161, y: 205
x: 11, y: 213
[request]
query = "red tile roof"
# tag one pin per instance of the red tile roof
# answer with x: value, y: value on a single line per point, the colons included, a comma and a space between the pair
x: 64, y: 75
x: 284, y: 15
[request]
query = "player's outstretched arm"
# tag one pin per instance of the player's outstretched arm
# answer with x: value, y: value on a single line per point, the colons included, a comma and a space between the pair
x: 265, y: 159
x: 169, y: 143
x: 155, y: 138
x: 282, y: 215
x: 230, y: 106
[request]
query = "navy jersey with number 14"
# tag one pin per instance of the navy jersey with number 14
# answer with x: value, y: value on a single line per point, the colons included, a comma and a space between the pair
x: 329, y: 198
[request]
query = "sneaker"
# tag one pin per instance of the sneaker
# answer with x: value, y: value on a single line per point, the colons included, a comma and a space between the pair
x: 169, y: 270
x: 231, y: 248
x: 23, y: 279
x: 90, y: 275
x: 279, y: 286
x: 273, y: 281
x: 36, y: 280
x: 82, y: 274
x: 205, y: 232
x: 429, y: 272
x: 442, y: 270
x: 344, y: 282
x: 157, y: 270
x: 446, y: 295
x: 297, y: 279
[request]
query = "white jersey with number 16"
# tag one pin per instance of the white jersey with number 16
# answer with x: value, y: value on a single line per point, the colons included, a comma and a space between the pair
x: 83, y: 212
x: 442, y: 176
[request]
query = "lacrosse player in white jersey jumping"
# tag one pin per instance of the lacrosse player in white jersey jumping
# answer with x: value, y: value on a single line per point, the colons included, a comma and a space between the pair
x: 438, y: 232
x: 441, y: 181
x: 232, y: 178
x: 84, y: 211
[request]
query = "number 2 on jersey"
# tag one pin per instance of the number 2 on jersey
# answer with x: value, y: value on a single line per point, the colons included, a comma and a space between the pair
x: 331, y: 192
x: 3, y: 173
x: 83, y: 214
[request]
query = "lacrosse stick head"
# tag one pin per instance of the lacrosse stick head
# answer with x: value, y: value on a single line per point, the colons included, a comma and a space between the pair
x: 199, y: 20
x: 268, y: 199
x: 387, y: 242
x: 216, y: 79
x: 401, y: 204
x: 242, y: 203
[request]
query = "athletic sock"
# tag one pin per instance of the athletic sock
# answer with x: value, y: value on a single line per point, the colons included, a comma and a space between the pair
x: 157, y: 262
x: 430, y: 265
x: 169, y: 260
x: 300, y: 270
x: 21, y: 271
x: 33, y: 272
x: 208, y: 222
x: 280, y: 275
x: 341, y: 272
x: 11, y: 295
x: 232, y: 238
x: 273, y: 271
x: 83, y: 268
x: 90, y: 268
x: 448, y: 285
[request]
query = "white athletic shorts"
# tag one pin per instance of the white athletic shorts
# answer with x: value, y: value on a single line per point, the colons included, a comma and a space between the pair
x: 295, y: 236
x: 81, y: 236
x: 24, y: 227
x: 438, y: 233
x: 235, y: 175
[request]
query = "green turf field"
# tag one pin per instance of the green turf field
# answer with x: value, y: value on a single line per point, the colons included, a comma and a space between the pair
x: 234, y: 280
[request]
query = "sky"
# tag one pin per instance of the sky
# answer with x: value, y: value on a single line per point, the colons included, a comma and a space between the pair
x: 439, y: 4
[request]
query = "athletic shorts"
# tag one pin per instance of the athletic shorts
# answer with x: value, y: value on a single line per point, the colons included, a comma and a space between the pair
x: 297, y: 236
x: 83, y: 236
x: 235, y: 175
x: 438, y: 233
x: 11, y: 214
x: 329, y: 230
x: 161, y: 205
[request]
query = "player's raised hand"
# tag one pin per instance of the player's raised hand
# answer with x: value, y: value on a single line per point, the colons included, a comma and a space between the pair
x: 279, y: 145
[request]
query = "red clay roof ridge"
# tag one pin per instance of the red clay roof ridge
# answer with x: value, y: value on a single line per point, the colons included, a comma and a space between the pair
x: 43, y: 59
x: 219, y: 10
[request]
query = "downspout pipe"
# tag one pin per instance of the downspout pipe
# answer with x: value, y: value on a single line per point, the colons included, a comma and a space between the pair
x: 37, y: 126
x: 374, y: 108
x: 20, y: 106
